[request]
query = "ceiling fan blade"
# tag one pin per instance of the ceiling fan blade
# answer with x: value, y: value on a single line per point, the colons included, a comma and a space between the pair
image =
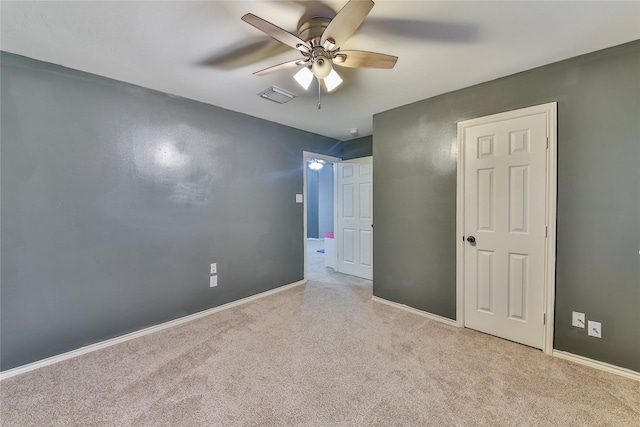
x: 276, y: 32
x: 347, y: 21
x: 364, y: 59
x: 283, y: 66
x: 247, y: 52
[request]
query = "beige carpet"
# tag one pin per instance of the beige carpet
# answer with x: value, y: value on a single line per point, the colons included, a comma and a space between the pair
x: 322, y: 354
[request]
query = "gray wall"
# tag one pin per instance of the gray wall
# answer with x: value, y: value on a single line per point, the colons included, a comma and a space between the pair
x: 116, y: 198
x: 312, y: 204
x: 356, y: 148
x: 325, y: 200
x: 319, y: 201
x: 598, y: 223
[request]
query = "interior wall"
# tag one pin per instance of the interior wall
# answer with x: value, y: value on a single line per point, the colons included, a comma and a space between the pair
x: 312, y: 204
x: 598, y: 220
x: 358, y: 147
x: 325, y: 200
x: 116, y: 198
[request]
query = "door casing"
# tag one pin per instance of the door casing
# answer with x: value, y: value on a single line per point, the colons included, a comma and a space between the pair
x: 550, y: 110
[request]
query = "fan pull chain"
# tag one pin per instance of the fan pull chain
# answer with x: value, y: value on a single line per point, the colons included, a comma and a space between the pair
x: 319, y: 95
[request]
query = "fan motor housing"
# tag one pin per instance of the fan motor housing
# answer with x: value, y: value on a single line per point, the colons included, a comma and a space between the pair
x: 311, y: 30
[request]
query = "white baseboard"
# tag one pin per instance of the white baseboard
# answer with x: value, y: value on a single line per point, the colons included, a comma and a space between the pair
x: 142, y: 332
x: 416, y: 311
x: 603, y: 366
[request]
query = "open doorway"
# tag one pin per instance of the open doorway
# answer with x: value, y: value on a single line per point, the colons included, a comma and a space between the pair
x: 349, y: 249
x: 320, y: 199
x: 319, y: 211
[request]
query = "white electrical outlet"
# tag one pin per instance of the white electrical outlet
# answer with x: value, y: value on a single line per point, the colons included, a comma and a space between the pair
x: 213, y: 281
x: 299, y: 198
x: 577, y: 320
x: 595, y: 329
x: 213, y: 269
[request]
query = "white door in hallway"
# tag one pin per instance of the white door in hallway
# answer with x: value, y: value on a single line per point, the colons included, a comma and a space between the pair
x: 355, y: 218
x: 505, y: 225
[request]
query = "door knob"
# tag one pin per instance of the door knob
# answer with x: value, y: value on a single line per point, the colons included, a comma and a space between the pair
x: 471, y: 239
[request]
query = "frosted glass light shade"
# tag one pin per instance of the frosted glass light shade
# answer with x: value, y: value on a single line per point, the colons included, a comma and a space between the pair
x: 332, y: 81
x: 304, y: 77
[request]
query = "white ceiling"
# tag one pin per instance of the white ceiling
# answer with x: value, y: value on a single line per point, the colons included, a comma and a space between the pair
x: 203, y: 51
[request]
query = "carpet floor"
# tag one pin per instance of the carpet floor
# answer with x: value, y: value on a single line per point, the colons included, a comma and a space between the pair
x: 322, y: 354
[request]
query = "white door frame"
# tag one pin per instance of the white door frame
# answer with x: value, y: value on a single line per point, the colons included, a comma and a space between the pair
x: 550, y: 110
x: 310, y: 155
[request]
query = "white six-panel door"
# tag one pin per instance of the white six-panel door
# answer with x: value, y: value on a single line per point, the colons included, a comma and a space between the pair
x: 355, y: 218
x: 505, y: 227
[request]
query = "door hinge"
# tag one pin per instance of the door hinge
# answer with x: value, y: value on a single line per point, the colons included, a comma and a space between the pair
x: 544, y: 318
x: 547, y: 142
x: 546, y: 232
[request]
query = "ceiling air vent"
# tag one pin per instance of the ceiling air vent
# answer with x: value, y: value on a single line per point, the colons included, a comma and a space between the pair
x: 276, y: 94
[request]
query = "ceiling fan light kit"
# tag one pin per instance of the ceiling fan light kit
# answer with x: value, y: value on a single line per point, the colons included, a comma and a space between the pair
x: 316, y: 164
x: 321, y: 67
x: 319, y: 40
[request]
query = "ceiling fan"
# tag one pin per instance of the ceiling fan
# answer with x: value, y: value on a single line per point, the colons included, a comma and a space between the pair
x: 318, y: 40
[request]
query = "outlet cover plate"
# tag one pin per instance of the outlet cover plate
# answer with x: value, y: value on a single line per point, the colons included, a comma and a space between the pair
x: 577, y: 320
x: 595, y: 329
x: 213, y: 281
x: 213, y: 268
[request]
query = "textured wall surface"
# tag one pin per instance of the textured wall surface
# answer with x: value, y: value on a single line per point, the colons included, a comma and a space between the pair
x: 116, y: 198
x: 598, y: 220
x: 319, y: 201
x: 312, y: 204
x: 356, y: 148
x: 325, y: 200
